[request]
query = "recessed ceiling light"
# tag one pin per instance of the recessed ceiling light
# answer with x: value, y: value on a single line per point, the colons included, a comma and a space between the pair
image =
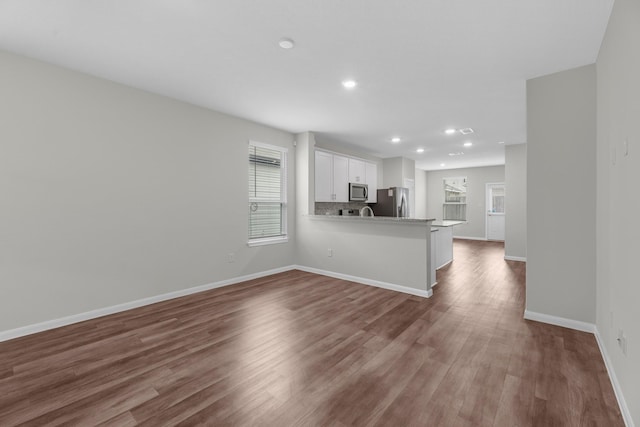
x: 459, y: 153
x: 286, y: 43
x: 349, y: 84
x: 441, y: 165
x: 395, y: 139
x: 420, y: 150
x: 468, y: 144
x: 466, y: 131
x: 450, y: 131
x: 500, y: 142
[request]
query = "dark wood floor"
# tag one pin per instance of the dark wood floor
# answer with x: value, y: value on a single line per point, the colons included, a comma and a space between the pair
x: 302, y: 349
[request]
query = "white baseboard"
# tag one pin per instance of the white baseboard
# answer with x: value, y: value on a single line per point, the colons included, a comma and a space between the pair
x: 370, y: 282
x: 560, y: 321
x: 81, y: 317
x: 105, y: 311
x: 515, y: 258
x: 624, y: 409
x: 470, y: 238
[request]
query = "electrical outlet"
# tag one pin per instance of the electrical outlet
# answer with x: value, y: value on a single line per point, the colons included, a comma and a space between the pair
x: 231, y: 257
x: 622, y: 341
x: 329, y: 252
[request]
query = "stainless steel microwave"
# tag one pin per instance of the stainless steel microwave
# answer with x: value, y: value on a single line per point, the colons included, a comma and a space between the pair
x: 358, y: 192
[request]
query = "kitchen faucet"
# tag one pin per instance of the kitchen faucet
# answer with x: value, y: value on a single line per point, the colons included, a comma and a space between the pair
x: 366, y: 208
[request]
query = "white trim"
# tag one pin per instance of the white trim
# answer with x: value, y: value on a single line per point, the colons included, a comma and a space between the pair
x: 624, y: 409
x: 268, y: 241
x: 268, y: 146
x: 470, y: 238
x: 560, y: 321
x: 105, y: 311
x: 445, y: 264
x: 515, y: 258
x: 81, y: 317
x: 378, y: 284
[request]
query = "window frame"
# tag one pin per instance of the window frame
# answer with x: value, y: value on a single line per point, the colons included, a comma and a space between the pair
x: 284, y: 166
x: 462, y: 205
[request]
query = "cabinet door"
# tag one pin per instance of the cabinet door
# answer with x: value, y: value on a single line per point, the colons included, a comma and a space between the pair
x: 324, y: 177
x: 356, y: 171
x: 340, y: 179
x: 371, y: 176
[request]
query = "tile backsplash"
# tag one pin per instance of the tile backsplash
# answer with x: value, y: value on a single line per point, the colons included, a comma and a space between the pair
x: 330, y: 208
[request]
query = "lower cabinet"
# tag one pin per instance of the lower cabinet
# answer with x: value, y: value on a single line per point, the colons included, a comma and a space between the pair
x: 434, y: 250
x: 444, y: 244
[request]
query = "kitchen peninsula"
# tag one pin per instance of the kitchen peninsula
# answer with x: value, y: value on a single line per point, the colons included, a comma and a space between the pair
x: 443, y: 242
x: 392, y: 253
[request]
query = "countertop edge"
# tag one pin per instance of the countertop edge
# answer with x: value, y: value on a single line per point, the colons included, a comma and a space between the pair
x: 386, y: 219
x: 448, y: 223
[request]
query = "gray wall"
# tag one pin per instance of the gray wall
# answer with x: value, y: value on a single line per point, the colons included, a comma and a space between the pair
x: 477, y: 178
x: 618, y: 229
x: 561, y: 201
x: 396, y: 170
x: 515, y: 177
x: 111, y: 194
x: 421, y: 194
x: 305, y: 173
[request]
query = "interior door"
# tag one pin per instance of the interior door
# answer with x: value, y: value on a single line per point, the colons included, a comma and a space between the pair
x: 495, y: 211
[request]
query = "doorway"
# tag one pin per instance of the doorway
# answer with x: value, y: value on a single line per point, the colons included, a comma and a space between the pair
x: 495, y: 211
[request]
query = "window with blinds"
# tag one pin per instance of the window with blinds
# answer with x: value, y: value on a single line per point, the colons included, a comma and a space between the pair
x: 455, y: 199
x: 267, y: 193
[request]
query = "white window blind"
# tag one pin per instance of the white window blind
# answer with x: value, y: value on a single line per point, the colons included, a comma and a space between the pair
x: 267, y: 192
x: 455, y: 199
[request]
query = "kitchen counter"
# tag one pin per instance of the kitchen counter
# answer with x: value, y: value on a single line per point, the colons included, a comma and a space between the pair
x: 442, y: 245
x: 446, y: 223
x: 392, y: 253
x: 380, y: 219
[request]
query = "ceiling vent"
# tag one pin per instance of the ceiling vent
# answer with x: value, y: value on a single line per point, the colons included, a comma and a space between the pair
x: 466, y: 131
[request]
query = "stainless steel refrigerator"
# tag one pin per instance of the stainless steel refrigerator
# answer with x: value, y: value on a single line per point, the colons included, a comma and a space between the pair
x: 392, y: 201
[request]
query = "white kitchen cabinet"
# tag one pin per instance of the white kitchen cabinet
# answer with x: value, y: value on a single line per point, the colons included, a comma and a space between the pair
x: 324, y: 177
x: 444, y: 246
x: 357, y: 171
x: 371, y: 179
x: 340, y: 179
x: 331, y: 177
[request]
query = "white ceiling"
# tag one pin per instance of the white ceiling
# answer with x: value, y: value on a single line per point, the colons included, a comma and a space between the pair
x: 422, y: 65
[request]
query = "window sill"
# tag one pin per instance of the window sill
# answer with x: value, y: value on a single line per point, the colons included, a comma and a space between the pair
x: 267, y: 241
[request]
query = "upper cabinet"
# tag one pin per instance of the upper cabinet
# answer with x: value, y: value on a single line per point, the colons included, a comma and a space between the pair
x: 334, y: 173
x: 332, y: 177
x: 357, y: 171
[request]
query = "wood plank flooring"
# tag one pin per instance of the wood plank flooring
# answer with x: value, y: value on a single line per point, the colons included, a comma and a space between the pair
x: 302, y: 349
